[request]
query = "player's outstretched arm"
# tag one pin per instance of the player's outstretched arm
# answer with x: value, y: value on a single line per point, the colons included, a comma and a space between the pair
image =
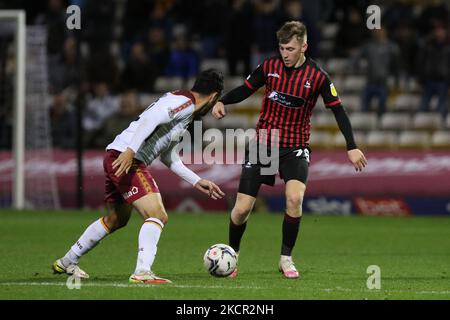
x: 209, y: 188
x: 357, y: 158
x: 218, y: 110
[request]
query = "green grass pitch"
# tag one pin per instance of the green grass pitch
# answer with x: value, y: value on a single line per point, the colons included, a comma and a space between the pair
x: 332, y: 254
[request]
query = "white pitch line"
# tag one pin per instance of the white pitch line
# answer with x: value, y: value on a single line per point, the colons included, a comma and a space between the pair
x: 124, y: 285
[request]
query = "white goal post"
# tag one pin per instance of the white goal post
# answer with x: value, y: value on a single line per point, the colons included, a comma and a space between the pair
x: 18, y: 194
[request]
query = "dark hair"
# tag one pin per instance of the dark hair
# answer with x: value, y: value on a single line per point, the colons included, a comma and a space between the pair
x: 209, y: 81
x: 290, y: 30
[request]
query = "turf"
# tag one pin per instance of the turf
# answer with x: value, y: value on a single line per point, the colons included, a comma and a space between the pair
x: 332, y: 253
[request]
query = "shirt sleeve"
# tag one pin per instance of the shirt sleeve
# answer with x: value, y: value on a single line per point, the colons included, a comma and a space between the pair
x: 148, y: 121
x: 253, y: 82
x: 329, y: 94
x: 256, y: 79
x: 172, y: 160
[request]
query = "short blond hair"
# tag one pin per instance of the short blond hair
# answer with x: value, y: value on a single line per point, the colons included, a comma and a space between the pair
x: 290, y: 30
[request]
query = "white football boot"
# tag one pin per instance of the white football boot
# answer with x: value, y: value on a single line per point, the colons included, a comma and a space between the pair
x: 147, y: 277
x: 287, y: 267
x: 72, y: 270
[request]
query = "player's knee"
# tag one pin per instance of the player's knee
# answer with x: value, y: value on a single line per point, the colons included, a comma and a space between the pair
x: 114, y: 222
x: 294, y: 200
x: 241, y: 211
x: 158, y: 213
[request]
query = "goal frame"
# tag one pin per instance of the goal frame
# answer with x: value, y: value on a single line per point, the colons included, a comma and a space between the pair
x: 18, y: 190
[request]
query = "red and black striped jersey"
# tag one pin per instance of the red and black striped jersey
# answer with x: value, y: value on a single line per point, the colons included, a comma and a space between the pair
x: 289, y: 98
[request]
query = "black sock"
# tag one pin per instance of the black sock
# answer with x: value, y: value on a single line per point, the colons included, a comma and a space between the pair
x: 235, y: 234
x: 290, y: 231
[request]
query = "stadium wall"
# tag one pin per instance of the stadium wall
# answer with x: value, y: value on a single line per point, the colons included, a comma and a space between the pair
x: 395, y: 183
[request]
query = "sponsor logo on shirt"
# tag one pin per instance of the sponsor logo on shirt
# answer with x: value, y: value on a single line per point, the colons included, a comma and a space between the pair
x: 276, y: 75
x: 128, y: 194
x: 286, y: 100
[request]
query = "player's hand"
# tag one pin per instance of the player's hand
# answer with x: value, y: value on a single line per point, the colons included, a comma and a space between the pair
x: 209, y: 188
x: 123, y: 162
x: 357, y: 158
x: 218, y: 110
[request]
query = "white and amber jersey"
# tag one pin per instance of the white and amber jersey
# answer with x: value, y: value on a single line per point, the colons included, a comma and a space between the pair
x: 157, y: 131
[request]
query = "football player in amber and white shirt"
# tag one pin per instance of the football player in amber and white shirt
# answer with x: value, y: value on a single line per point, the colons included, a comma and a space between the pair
x: 129, y: 183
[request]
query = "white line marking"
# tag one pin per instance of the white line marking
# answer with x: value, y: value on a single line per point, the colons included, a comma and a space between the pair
x: 124, y: 285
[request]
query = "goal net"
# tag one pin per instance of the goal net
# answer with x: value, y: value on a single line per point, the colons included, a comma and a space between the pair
x: 27, y: 177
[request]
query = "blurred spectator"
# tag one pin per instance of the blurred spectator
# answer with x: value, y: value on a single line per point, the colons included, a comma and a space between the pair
x: 265, y: 26
x: 315, y: 13
x: 55, y: 20
x: 139, y: 73
x: 6, y: 126
x: 98, y: 108
x: 157, y: 48
x: 98, y: 24
x: 161, y: 15
x: 352, y: 33
x: 102, y: 67
x: 406, y: 39
x: 118, y: 121
x: 382, y: 58
x: 62, y: 122
x: 211, y: 27
x: 184, y: 61
x: 433, y: 14
x: 7, y: 64
x: 238, y: 36
x: 135, y: 19
x: 397, y: 14
x: 66, y: 67
x: 434, y: 69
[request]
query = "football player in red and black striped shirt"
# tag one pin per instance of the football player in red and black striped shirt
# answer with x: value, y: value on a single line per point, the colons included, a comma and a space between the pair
x: 293, y: 83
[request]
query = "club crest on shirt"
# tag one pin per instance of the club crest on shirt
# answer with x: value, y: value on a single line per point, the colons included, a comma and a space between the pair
x: 307, y: 84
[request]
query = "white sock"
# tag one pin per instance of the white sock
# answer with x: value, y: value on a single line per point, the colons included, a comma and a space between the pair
x: 88, y: 240
x: 148, y: 240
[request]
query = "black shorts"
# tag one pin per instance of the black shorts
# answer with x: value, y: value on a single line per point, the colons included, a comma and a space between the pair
x: 293, y: 164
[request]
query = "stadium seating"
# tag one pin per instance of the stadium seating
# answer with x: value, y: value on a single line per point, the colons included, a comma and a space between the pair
x: 410, y: 139
x: 324, y: 121
x: 321, y: 140
x: 395, y: 121
x: 218, y: 64
x: 164, y: 84
x: 406, y: 102
x: 427, y: 121
x: 339, y: 140
x: 381, y: 140
x: 351, y: 102
x: 364, y: 121
x: 441, y: 140
x: 354, y: 83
